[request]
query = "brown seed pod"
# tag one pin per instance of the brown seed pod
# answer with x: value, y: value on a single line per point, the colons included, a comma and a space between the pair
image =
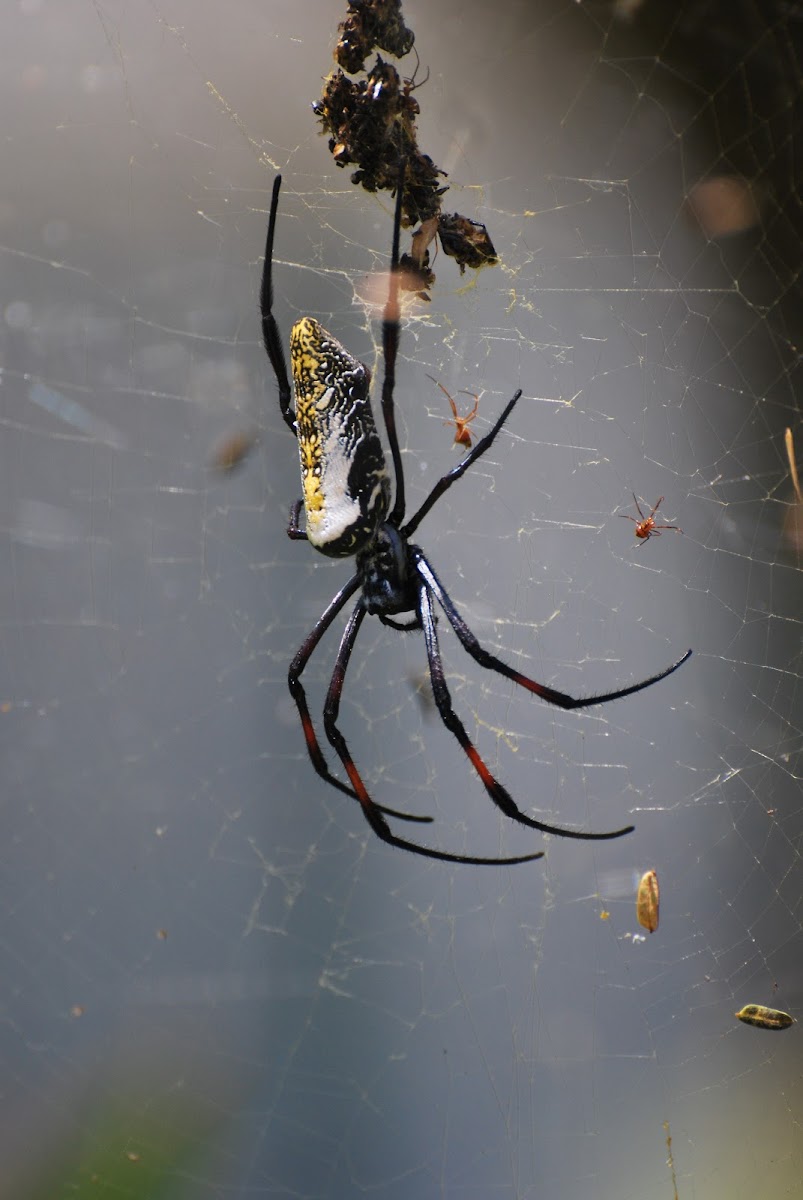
x: 647, y: 901
x: 764, y: 1018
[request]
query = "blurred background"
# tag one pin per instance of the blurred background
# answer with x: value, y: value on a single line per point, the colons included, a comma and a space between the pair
x: 215, y: 980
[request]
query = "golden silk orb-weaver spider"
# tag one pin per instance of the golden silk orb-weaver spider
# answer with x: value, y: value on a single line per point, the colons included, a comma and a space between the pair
x: 352, y: 512
x: 645, y: 526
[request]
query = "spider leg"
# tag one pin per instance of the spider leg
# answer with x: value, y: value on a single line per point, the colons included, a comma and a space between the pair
x: 475, y: 396
x: 628, y: 517
x: 449, y: 397
x: 299, y: 695
x: 638, y: 508
x: 492, y: 663
x: 371, y: 810
x: 452, y: 476
x: 656, y: 506
x: 499, y: 794
x: 402, y: 626
x: 390, y: 349
x: 294, y: 531
x: 270, y: 330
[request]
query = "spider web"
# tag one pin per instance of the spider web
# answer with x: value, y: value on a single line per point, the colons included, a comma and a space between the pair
x: 216, y: 982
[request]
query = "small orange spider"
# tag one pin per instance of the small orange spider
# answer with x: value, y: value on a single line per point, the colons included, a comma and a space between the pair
x: 462, y: 436
x: 646, y: 527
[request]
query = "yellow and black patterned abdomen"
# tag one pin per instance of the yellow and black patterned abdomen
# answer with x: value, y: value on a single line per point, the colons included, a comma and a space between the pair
x: 343, y: 472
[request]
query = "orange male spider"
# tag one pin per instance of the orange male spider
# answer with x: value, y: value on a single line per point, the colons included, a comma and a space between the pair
x: 462, y: 436
x: 646, y: 527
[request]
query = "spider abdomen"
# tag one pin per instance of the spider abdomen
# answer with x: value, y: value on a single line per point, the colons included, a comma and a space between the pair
x: 343, y: 472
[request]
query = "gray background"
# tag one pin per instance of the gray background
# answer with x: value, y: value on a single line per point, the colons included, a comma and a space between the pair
x: 215, y: 981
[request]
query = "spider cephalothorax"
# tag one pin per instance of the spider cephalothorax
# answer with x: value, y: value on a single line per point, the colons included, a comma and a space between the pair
x: 347, y: 505
x: 385, y: 570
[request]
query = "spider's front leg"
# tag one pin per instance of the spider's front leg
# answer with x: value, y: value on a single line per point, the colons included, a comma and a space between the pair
x: 270, y: 330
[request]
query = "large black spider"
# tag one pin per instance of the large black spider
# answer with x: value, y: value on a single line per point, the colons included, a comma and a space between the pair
x: 347, y: 494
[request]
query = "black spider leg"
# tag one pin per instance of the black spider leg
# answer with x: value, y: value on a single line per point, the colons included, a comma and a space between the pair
x: 390, y: 349
x: 499, y: 794
x: 371, y: 810
x: 294, y: 530
x: 270, y: 330
x: 492, y: 663
x: 452, y: 476
x: 402, y: 626
x: 299, y: 695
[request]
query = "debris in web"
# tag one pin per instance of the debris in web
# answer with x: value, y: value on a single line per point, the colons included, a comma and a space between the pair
x: 764, y: 1018
x: 371, y: 124
x: 647, y: 901
x: 466, y: 241
x: 372, y: 23
x: 793, y: 521
x: 790, y: 454
x: 232, y: 450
